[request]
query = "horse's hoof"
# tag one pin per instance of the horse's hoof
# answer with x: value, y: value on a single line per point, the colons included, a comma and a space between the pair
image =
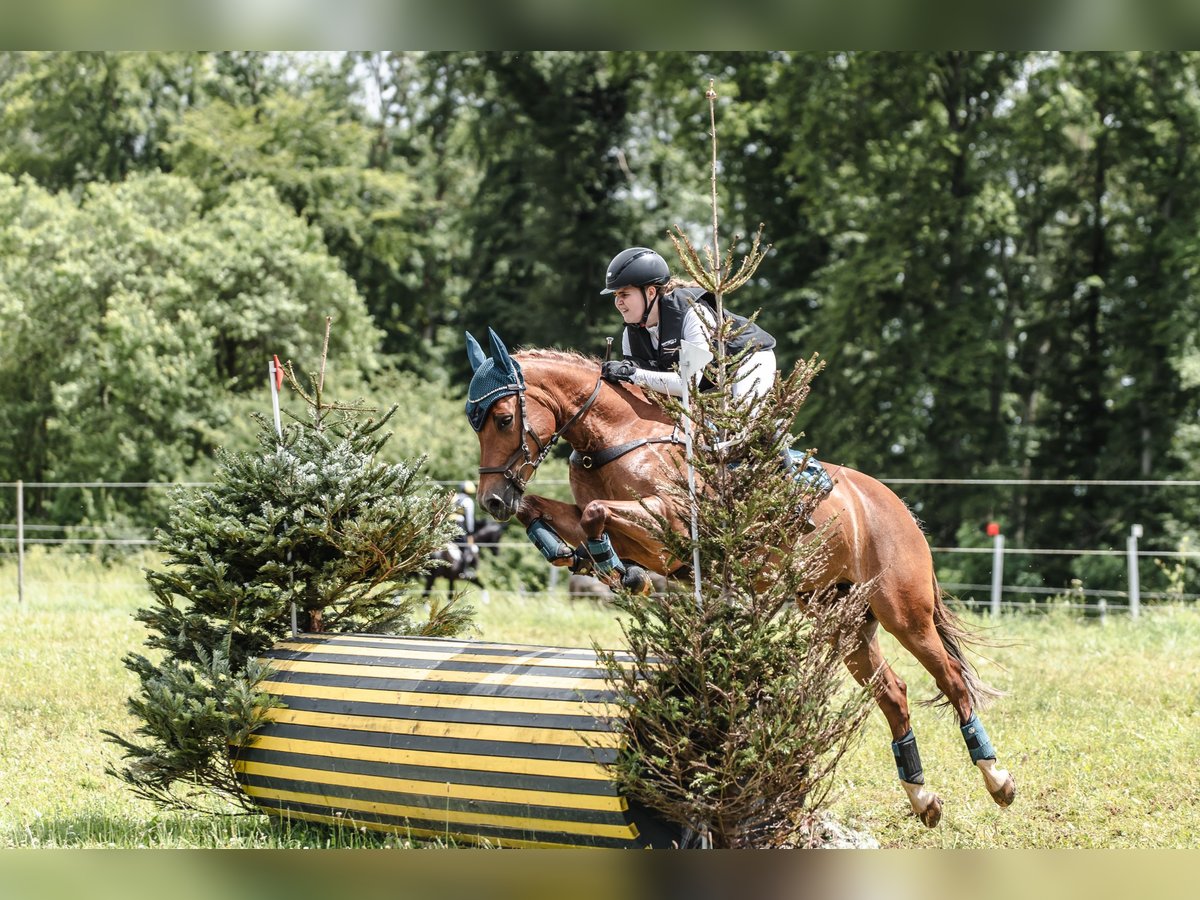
x: 999, y: 782
x: 637, y: 580
x: 926, y: 805
x: 1005, y: 794
x: 932, y: 814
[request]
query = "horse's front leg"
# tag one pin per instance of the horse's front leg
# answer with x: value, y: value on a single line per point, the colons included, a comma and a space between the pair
x: 552, y: 526
x: 607, y: 532
x: 618, y: 530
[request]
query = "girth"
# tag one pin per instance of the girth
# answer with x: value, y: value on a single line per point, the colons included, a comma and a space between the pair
x: 594, y: 459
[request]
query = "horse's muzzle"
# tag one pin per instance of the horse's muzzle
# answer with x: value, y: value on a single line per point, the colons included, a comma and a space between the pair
x: 502, y: 501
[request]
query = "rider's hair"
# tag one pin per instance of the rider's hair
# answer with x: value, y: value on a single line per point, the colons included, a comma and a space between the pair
x: 675, y: 283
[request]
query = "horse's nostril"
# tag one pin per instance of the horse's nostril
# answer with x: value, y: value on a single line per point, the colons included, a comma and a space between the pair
x: 497, y: 508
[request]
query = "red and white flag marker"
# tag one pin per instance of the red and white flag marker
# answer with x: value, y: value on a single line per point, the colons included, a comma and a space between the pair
x: 276, y: 378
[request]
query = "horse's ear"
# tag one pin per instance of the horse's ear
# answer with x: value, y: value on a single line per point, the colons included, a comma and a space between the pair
x: 500, y: 353
x: 474, y: 353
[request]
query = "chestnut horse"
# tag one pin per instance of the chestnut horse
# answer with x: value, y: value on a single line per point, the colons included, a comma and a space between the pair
x: 625, y: 448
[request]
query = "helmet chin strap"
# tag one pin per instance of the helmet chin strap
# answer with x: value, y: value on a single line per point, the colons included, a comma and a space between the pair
x: 649, y: 304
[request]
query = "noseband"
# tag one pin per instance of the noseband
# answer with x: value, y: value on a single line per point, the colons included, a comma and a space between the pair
x: 531, y: 462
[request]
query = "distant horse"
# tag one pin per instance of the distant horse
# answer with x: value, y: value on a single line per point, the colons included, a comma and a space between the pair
x: 521, y: 405
x: 464, y: 565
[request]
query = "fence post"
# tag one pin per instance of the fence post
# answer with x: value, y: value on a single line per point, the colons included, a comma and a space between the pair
x: 1135, y: 584
x: 993, y: 528
x: 20, y: 541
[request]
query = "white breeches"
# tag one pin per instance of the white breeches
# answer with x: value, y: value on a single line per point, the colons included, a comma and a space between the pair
x: 755, y: 376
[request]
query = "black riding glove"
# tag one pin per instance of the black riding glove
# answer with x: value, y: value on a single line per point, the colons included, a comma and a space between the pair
x: 616, y: 370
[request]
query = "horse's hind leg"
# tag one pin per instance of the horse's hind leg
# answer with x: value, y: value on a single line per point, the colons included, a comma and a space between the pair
x: 1000, y: 782
x: 936, y: 647
x: 867, y: 665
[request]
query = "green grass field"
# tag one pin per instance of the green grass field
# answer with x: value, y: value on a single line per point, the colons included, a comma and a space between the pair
x: 1101, y: 727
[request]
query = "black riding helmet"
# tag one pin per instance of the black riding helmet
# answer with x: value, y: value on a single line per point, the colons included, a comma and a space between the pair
x: 637, y: 267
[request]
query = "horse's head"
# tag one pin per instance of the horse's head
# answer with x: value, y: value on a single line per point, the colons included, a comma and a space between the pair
x: 508, y: 428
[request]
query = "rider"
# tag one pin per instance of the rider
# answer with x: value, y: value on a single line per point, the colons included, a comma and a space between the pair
x: 464, y: 502
x: 659, y: 312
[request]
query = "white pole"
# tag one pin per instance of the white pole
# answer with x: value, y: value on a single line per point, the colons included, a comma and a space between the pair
x: 20, y: 541
x: 275, y: 376
x: 997, y: 573
x: 1135, y: 587
x: 692, y: 359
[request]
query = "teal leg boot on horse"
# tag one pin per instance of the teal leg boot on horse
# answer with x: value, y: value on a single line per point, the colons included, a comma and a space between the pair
x: 609, y: 568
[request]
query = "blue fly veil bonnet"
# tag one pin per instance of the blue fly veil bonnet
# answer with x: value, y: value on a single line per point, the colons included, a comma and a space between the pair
x: 495, y: 377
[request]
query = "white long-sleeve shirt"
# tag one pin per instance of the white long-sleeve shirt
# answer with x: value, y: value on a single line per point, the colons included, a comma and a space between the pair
x: 695, y: 329
x: 755, y: 375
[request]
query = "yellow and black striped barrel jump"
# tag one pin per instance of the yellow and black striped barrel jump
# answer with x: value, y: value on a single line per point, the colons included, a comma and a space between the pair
x: 451, y: 740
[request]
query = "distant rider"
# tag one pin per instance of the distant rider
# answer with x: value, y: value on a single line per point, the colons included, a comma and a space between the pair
x: 464, y: 502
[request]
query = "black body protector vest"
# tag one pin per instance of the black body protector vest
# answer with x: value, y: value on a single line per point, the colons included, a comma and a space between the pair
x: 672, y: 308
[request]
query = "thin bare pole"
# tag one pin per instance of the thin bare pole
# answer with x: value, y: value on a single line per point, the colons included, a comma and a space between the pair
x: 1135, y: 577
x: 997, y: 573
x: 325, y: 352
x: 718, y: 274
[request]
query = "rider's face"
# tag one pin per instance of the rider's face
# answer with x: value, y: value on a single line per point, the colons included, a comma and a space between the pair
x: 631, y: 305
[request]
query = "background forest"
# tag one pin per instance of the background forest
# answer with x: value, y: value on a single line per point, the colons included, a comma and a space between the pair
x: 994, y: 252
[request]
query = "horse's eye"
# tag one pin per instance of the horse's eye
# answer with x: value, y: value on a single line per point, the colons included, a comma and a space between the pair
x: 503, y: 421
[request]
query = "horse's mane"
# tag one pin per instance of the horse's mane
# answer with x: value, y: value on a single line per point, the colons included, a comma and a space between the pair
x: 557, y: 357
x: 562, y: 359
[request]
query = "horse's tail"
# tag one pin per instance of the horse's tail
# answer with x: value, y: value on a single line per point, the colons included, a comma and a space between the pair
x: 955, y: 634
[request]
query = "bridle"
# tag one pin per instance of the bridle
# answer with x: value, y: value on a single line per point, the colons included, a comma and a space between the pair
x: 530, y: 461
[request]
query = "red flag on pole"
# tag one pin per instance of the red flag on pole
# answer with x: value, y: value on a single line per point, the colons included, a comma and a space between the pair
x: 275, y: 380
